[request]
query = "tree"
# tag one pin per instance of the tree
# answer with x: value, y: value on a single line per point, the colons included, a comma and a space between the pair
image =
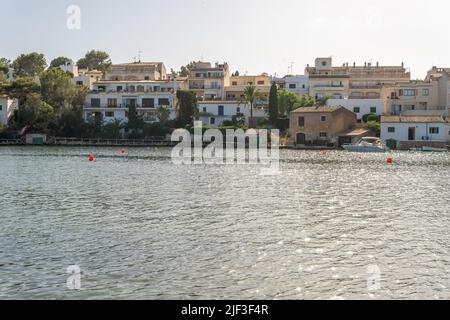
x: 3, y: 71
x: 71, y: 124
x: 307, y: 101
x: 112, y: 130
x: 36, y: 114
x: 187, y: 106
x: 60, y: 61
x: 57, y: 88
x: 251, y: 95
x: 287, y: 101
x: 95, y: 60
x: 185, y: 70
x: 273, y: 104
x: 5, y: 61
x: 29, y: 65
x: 323, y: 101
x: 20, y: 89
x: 163, y: 115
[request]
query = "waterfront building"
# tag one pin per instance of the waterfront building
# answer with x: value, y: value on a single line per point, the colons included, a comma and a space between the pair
x: 442, y: 77
x: 298, y: 84
x: 414, y: 97
x: 111, y: 100
x: 217, y: 113
x: 87, y: 78
x: 320, y: 125
x: 208, y: 81
x: 415, y: 131
x: 235, y: 91
x: 7, y: 108
x: 137, y: 71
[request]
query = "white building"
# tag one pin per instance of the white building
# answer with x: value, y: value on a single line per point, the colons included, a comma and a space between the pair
x: 7, y: 107
x: 296, y: 84
x: 71, y: 67
x: 415, y: 131
x: 111, y: 100
x: 215, y: 113
x: 361, y: 106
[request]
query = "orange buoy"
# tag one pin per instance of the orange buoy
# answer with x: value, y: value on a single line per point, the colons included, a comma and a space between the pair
x: 390, y: 160
x: 91, y: 157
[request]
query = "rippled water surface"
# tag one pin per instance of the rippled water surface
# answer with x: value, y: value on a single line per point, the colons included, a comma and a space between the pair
x: 141, y: 227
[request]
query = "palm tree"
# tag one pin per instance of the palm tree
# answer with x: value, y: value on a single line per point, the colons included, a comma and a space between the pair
x: 251, y: 95
x: 163, y: 115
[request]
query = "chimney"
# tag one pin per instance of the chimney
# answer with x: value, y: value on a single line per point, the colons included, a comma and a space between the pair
x: 403, y: 65
x: 354, y: 64
x: 365, y: 64
x: 378, y: 64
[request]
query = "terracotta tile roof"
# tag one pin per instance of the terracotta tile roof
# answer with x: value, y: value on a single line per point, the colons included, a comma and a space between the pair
x: 320, y: 109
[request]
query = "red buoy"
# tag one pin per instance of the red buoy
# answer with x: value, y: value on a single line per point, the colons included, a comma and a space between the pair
x: 122, y: 151
x: 91, y: 157
x: 390, y: 160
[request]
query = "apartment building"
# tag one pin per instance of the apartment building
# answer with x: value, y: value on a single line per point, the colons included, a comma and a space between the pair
x: 137, y: 71
x: 442, y: 77
x: 413, y: 97
x: 111, y: 100
x: 209, y: 81
x: 361, y: 107
x: 353, y: 82
x: 235, y: 91
x: 325, y: 80
x: 298, y: 84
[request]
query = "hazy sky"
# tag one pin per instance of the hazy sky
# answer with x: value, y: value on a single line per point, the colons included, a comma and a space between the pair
x: 251, y: 35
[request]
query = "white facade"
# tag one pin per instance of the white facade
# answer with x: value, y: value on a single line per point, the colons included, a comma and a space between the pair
x: 296, y: 84
x: 112, y: 99
x: 428, y: 128
x: 360, y: 107
x: 71, y: 67
x: 7, y: 107
x: 214, y: 113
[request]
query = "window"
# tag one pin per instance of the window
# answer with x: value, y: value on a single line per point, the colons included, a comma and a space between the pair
x: 425, y: 92
x: 220, y: 110
x: 391, y: 129
x: 119, y: 88
x: 261, y: 82
x: 323, y: 118
x: 147, y: 78
x: 238, y: 110
x: 148, y: 103
x: 292, y: 86
x: 1, y: 107
x: 303, y: 86
x: 373, y: 109
x: 79, y: 83
x: 204, y: 109
x: 212, y: 121
x: 409, y: 92
x: 163, y: 102
x: 301, y: 121
x: 95, y: 103
x: 109, y: 114
x: 356, y: 110
x: 323, y: 134
x: 434, y: 130
x: 112, y: 103
x: 234, y: 83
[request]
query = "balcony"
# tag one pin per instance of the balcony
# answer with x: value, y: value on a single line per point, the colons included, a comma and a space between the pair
x: 373, y: 86
x: 329, y: 87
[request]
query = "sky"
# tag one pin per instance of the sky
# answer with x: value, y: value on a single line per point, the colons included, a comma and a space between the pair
x: 253, y: 36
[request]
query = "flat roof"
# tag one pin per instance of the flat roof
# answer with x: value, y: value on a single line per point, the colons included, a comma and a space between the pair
x: 414, y: 119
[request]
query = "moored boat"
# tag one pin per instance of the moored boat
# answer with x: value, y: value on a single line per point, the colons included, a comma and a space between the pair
x: 367, y: 144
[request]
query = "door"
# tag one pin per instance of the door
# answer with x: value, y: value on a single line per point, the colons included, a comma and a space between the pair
x: 411, y: 133
x: 301, y: 138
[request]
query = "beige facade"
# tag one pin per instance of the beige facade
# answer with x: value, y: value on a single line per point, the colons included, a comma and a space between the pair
x: 235, y: 91
x: 138, y: 71
x: 208, y: 81
x: 442, y: 77
x: 412, y: 97
x: 319, y: 125
x: 353, y: 82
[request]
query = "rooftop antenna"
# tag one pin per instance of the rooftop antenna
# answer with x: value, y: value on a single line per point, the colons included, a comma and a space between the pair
x: 139, y: 55
x: 134, y: 58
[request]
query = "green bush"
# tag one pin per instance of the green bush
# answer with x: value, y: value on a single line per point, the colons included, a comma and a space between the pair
x: 154, y: 130
x: 374, y: 126
x: 373, y: 117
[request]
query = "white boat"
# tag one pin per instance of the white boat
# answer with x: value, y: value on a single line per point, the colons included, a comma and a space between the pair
x: 367, y: 144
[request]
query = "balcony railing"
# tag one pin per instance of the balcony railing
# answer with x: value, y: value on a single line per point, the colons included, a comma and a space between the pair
x: 120, y: 106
